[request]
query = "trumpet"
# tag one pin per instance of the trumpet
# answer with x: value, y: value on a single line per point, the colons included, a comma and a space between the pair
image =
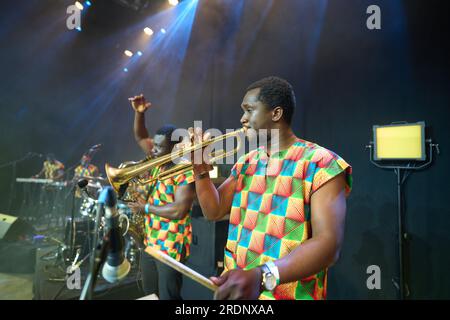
x: 133, y: 172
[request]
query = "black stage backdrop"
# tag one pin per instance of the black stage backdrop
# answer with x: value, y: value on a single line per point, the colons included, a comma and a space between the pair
x: 63, y: 91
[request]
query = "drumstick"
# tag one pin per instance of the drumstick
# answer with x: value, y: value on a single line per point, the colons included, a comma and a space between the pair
x: 171, y: 262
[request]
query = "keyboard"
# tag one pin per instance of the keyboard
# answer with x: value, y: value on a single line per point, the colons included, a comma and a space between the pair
x: 43, y: 181
x: 33, y: 180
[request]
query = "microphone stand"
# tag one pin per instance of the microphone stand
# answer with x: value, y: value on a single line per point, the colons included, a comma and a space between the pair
x: 99, y: 253
x: 71, y: 182
x: 98, y: 256
x: 14, y: 163
x: 89, y: 153
x: 72, y: 222
x: 72, y: 191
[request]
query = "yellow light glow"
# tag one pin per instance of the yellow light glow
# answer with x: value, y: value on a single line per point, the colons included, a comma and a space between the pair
x: 128, y: 53
x: 79, y: 5
x: 399, y: 142
x: 173, y: 2
x: 148, y: 31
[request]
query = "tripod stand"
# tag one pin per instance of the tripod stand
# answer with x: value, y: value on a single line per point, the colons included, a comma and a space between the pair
x: 402, y: 172
x: 13, y: 164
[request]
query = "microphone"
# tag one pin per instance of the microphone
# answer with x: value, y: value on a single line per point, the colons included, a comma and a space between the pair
x: 82, y: 184
x: 116, y: 266
x: 95, y: 147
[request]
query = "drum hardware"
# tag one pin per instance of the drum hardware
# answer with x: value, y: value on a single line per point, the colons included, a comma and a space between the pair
x: 79, y: 232
x: 74, y: 263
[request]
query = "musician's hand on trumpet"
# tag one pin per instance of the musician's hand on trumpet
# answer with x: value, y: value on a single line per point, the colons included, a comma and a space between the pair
x: 196, y: 148
x: 139, y: 103
x: 199, y: 159
x: 137, y: 207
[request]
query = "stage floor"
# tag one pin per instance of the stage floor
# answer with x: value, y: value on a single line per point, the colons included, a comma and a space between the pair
x: 50, y: 282
x: 16, y: 286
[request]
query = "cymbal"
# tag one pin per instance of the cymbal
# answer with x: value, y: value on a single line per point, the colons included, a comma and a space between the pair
x: 100, y: 179
x: 95, y: 185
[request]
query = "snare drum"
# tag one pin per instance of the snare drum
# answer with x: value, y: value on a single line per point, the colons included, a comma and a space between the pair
x: 79, y: 234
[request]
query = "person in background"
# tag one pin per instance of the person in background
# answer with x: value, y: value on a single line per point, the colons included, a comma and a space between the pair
x: 167, y: 208
x: 52, y: 169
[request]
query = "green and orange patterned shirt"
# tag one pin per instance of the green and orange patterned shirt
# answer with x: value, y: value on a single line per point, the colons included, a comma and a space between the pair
x: 89, y: 171
x: 271, y: 214
x: 51, y: 170
x: 173, y: 237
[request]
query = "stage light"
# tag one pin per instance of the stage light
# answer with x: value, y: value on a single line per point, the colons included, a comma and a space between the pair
x: 148, y: 31
x: 400, y: 141
x: 134, y: 4
x: 173, y: 2
x: 78, y: 29
x: 128, y: 53
x: 79, y: 5
x: 163, y: 31
x: 139, y: 53
x: 88, y: 3
x: 125, y: 69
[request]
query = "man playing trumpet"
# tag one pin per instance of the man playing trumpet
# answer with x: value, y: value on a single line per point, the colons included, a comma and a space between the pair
x: 287, y: 205
x: 167, y: 206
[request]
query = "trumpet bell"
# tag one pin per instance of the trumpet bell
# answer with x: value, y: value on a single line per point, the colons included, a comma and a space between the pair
x: 114, y: 177
x: 118, y: 177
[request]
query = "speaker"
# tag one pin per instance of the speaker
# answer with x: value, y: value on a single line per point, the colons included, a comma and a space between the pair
x: 191, y: 290
x: 13, y: 228
x: 208, y: 242
x: 17, y: 256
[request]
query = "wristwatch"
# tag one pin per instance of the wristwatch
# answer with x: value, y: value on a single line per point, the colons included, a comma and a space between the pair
x: 270, y: 276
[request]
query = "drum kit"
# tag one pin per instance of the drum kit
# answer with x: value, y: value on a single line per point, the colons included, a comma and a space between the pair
x: 80, y: 230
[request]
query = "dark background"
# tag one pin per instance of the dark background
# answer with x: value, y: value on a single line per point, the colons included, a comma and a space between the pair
x: 63, y: 91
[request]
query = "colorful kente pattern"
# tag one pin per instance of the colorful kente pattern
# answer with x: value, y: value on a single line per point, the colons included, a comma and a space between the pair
x: 270, y: 214
x: 51, y: 169
x: 172, y: 237
x: 89, y: 171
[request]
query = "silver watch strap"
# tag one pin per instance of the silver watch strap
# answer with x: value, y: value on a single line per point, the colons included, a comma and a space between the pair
x: 273, y: 269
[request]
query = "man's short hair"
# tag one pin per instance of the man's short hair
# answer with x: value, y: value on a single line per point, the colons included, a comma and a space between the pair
x: 167, y: 131
x: 274, y: 92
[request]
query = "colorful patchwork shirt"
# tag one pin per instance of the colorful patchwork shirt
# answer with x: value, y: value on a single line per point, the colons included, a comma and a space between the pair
x: 51, y: 169
x: 170, y: 236
x: 89, y: 171
x: 271, y: 214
